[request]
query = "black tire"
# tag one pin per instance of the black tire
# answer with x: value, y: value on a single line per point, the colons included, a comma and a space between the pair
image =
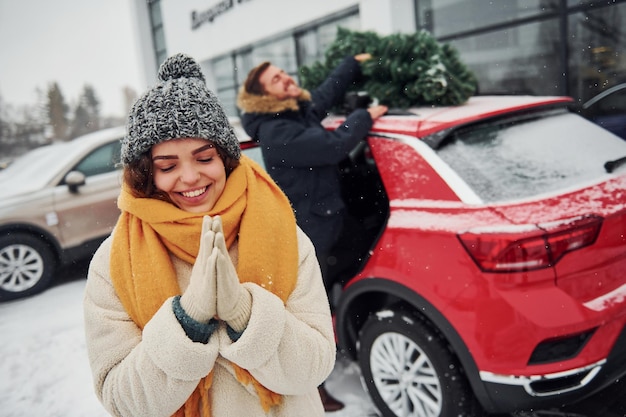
x: 409, y: 370
x: 27, y: 265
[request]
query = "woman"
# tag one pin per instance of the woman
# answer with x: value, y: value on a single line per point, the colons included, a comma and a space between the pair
x: 207, y: 299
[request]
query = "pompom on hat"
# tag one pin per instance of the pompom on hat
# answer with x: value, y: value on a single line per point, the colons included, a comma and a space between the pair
x: 179, y: 105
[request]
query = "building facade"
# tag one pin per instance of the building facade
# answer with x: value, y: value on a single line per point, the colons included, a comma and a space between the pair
x: 539, y: 47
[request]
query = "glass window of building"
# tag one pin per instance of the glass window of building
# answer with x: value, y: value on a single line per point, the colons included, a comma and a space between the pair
x: 328, y: 32
x: 570, y: 47
x: 445, y: 18
x: 280, y: 52
x: 597, y: 50
x: 244, y: 62
x: 158, y: 35
x: 312, y: 43
x: 308, y: 48
x: 226, y: 87
x: 522, y: 59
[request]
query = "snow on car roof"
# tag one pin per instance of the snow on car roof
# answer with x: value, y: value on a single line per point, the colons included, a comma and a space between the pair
x: 426, y: 120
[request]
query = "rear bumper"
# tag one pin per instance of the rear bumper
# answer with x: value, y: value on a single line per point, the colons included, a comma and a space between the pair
x: 508, y: 393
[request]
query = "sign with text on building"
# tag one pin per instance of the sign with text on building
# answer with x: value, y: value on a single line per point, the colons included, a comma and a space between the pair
x: 209, y: 15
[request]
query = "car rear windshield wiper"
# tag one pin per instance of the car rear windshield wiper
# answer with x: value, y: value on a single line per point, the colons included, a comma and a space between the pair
x: 610, y: 166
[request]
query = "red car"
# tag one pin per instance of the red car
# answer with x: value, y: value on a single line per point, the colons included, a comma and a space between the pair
x: 490, y: 271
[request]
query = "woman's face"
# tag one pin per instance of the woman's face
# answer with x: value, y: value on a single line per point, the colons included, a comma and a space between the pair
x: 190, y: 171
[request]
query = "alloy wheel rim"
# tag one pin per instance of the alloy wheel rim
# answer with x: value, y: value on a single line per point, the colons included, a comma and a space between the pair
x: 21, y: 268
x: 405, y: 377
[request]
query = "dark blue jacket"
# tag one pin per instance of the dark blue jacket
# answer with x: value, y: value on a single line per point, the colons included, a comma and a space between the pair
x: 301, y: 155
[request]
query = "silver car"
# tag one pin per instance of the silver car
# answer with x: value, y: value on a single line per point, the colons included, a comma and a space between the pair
x: 57, y: 204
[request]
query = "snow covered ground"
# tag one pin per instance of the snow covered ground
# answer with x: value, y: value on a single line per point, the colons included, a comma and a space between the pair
x: 44, y: 364
x: 44, y: 369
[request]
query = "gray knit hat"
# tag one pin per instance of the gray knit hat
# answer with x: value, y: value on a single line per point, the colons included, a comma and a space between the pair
x: 178, y: 106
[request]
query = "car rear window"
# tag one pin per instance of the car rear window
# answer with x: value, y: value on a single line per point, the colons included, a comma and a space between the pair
x: 518, y: 159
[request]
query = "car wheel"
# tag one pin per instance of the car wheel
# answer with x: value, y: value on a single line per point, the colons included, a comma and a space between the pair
x: 27, y: 266
x: 408, y: 369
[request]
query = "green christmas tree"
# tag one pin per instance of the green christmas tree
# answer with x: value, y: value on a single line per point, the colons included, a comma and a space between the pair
x: 406, y: 69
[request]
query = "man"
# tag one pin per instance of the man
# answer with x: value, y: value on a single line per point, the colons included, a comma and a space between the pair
x: 301, y: 155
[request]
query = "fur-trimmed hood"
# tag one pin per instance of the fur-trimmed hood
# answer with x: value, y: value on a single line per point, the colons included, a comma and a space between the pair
x: 253, y: 103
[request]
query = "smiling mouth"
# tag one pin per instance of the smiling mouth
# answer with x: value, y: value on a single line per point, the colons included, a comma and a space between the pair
x: 194, y: 193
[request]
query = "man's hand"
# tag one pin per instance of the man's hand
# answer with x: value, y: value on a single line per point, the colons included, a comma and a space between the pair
x: 363, y: 57
x: 377, y: 111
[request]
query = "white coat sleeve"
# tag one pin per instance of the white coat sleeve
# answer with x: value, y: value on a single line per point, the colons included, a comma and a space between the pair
x: 138, y: 373
x: 289, y: 348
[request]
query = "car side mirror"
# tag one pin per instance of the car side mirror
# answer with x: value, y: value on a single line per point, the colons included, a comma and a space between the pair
x: 74, y: 179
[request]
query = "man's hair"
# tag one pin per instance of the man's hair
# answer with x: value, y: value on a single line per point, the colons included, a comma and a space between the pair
x: 253, y: 84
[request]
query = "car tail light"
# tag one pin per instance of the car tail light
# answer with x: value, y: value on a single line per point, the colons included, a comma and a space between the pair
x: 529, y: 247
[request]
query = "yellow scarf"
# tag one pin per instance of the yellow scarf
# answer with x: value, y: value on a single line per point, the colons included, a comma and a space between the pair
x: 253, y: 210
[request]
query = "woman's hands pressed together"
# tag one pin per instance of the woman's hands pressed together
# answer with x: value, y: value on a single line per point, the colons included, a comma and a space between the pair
x: 214, y: 287
x: 200, y: 298
x: 234, y: 302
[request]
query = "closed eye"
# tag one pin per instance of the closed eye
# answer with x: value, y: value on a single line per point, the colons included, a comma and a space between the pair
x: 166, y: 169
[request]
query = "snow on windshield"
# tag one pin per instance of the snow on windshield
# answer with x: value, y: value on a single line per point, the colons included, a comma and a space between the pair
x: 503, y: 162
x: 35, y: 166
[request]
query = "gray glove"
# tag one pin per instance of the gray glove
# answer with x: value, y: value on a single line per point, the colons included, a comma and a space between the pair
x: 199, y: 299
x: 234, y: 302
